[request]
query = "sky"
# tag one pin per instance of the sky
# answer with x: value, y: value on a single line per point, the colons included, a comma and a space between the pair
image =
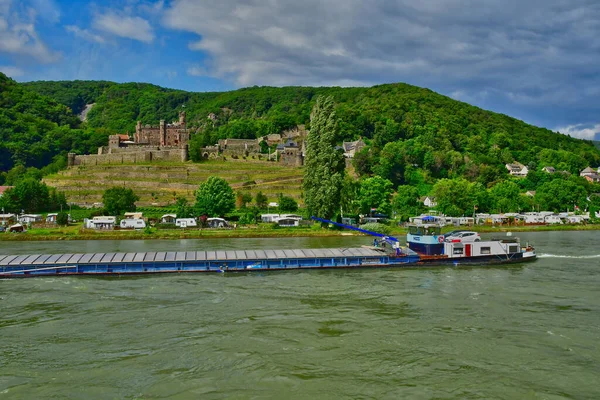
x: 536, y: 60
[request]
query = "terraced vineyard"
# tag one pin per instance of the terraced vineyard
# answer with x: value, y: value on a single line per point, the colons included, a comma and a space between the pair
x: 159, y: 183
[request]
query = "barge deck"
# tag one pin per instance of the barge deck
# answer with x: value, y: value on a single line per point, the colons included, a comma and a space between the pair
x: 12, y: 266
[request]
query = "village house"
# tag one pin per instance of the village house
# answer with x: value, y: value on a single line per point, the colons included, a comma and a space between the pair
x: 590, y: 174
x: 517, y: 169
x: 530, y: 193
x: 351, y: 148
x: 428, y: 201
x: 4, y: 189
x: 273, y: 138
x: 549, y: 170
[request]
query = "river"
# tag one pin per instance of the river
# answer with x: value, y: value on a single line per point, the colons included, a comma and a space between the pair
x: 516, y: 332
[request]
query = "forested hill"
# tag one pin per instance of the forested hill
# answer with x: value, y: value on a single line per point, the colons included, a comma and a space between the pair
x: 35, y: 129
x: 403, y: 124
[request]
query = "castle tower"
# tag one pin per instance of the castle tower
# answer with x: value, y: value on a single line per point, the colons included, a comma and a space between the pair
x: 182, y: 119
x: 138, y: 132
x: 163, y: 133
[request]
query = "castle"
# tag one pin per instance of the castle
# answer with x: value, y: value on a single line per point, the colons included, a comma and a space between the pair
x: 174, y: 134
x: 165, y: 142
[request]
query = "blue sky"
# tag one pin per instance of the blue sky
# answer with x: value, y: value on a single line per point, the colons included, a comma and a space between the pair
x: 536, y: 60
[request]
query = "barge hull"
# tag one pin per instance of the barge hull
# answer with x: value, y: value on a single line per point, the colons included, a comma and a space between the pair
x: 195, y: 261
x: 125, y: 264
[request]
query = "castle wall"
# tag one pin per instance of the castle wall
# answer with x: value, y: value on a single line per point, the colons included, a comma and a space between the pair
x: 134, y: 157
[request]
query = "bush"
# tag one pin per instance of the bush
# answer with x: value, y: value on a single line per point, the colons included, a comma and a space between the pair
x: 62, y: 218
x: 376, y: 227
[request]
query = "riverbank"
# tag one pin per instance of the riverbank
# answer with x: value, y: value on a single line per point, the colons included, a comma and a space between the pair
x: 75, y: 232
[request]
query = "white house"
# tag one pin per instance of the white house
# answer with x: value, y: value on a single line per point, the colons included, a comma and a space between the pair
x: 428, y: 201
x: 186, y: 222
x: 168, y: 219
x: 549, y: 170
x: 30, y: 218
x: 517, y: 169
x: 136, y: 223
x: 51, y: 218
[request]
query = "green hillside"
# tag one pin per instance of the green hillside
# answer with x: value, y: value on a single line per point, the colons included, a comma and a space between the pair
x: 35, y: 129
x: 160, y: 183
x: 408, y: 128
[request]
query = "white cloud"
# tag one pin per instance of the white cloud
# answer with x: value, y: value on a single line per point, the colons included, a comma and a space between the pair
x: 84, y: 34
x: 196, y: 70
x: 11, y: 71
x: 46, y: 10
x: 18, y: 34
x: 580, y: 131
x: 135, y: 28
x: 483, y: 50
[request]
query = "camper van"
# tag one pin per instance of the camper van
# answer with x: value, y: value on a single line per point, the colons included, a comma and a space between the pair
x: 186, y: 223
x: 133, y: 224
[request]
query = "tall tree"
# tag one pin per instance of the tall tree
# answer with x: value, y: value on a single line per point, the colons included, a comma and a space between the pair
x: 214, y: 198
x: 375, y: 192
x: 118, y: 200
x: 324, y: 163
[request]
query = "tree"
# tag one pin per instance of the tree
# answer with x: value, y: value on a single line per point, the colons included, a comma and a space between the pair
x: 29, y: 194
x: 349, y: 201
x: 406, y: 202
x: 214, y: 198
x: 118, y: 200
x: 261, y: 200
x: 62, y: 218
x: 324, y: 165
x: 506, y: 197
x: 287, y: 204
x: 242, y: 199
x: 454, y: 197
x: 375, y: 192
x: 183, y: 208
x: 560, y: 195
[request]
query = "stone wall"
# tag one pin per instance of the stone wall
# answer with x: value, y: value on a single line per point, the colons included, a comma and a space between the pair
x: 292, y: 157
x: 132, y: 157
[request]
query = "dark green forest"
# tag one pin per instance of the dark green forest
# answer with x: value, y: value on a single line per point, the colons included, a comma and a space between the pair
x: 414, y: 136
x: 37, y: 131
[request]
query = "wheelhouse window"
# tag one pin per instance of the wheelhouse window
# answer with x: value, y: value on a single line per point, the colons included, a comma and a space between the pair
x: 513, y: 249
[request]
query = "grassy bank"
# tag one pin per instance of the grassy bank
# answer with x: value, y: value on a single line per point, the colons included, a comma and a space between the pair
x: 262, y: 231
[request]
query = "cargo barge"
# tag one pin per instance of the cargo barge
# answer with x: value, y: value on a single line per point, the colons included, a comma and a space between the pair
x: 426, y: 247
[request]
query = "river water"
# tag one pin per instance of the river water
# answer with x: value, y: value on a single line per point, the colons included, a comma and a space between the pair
x: 519, y: 332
